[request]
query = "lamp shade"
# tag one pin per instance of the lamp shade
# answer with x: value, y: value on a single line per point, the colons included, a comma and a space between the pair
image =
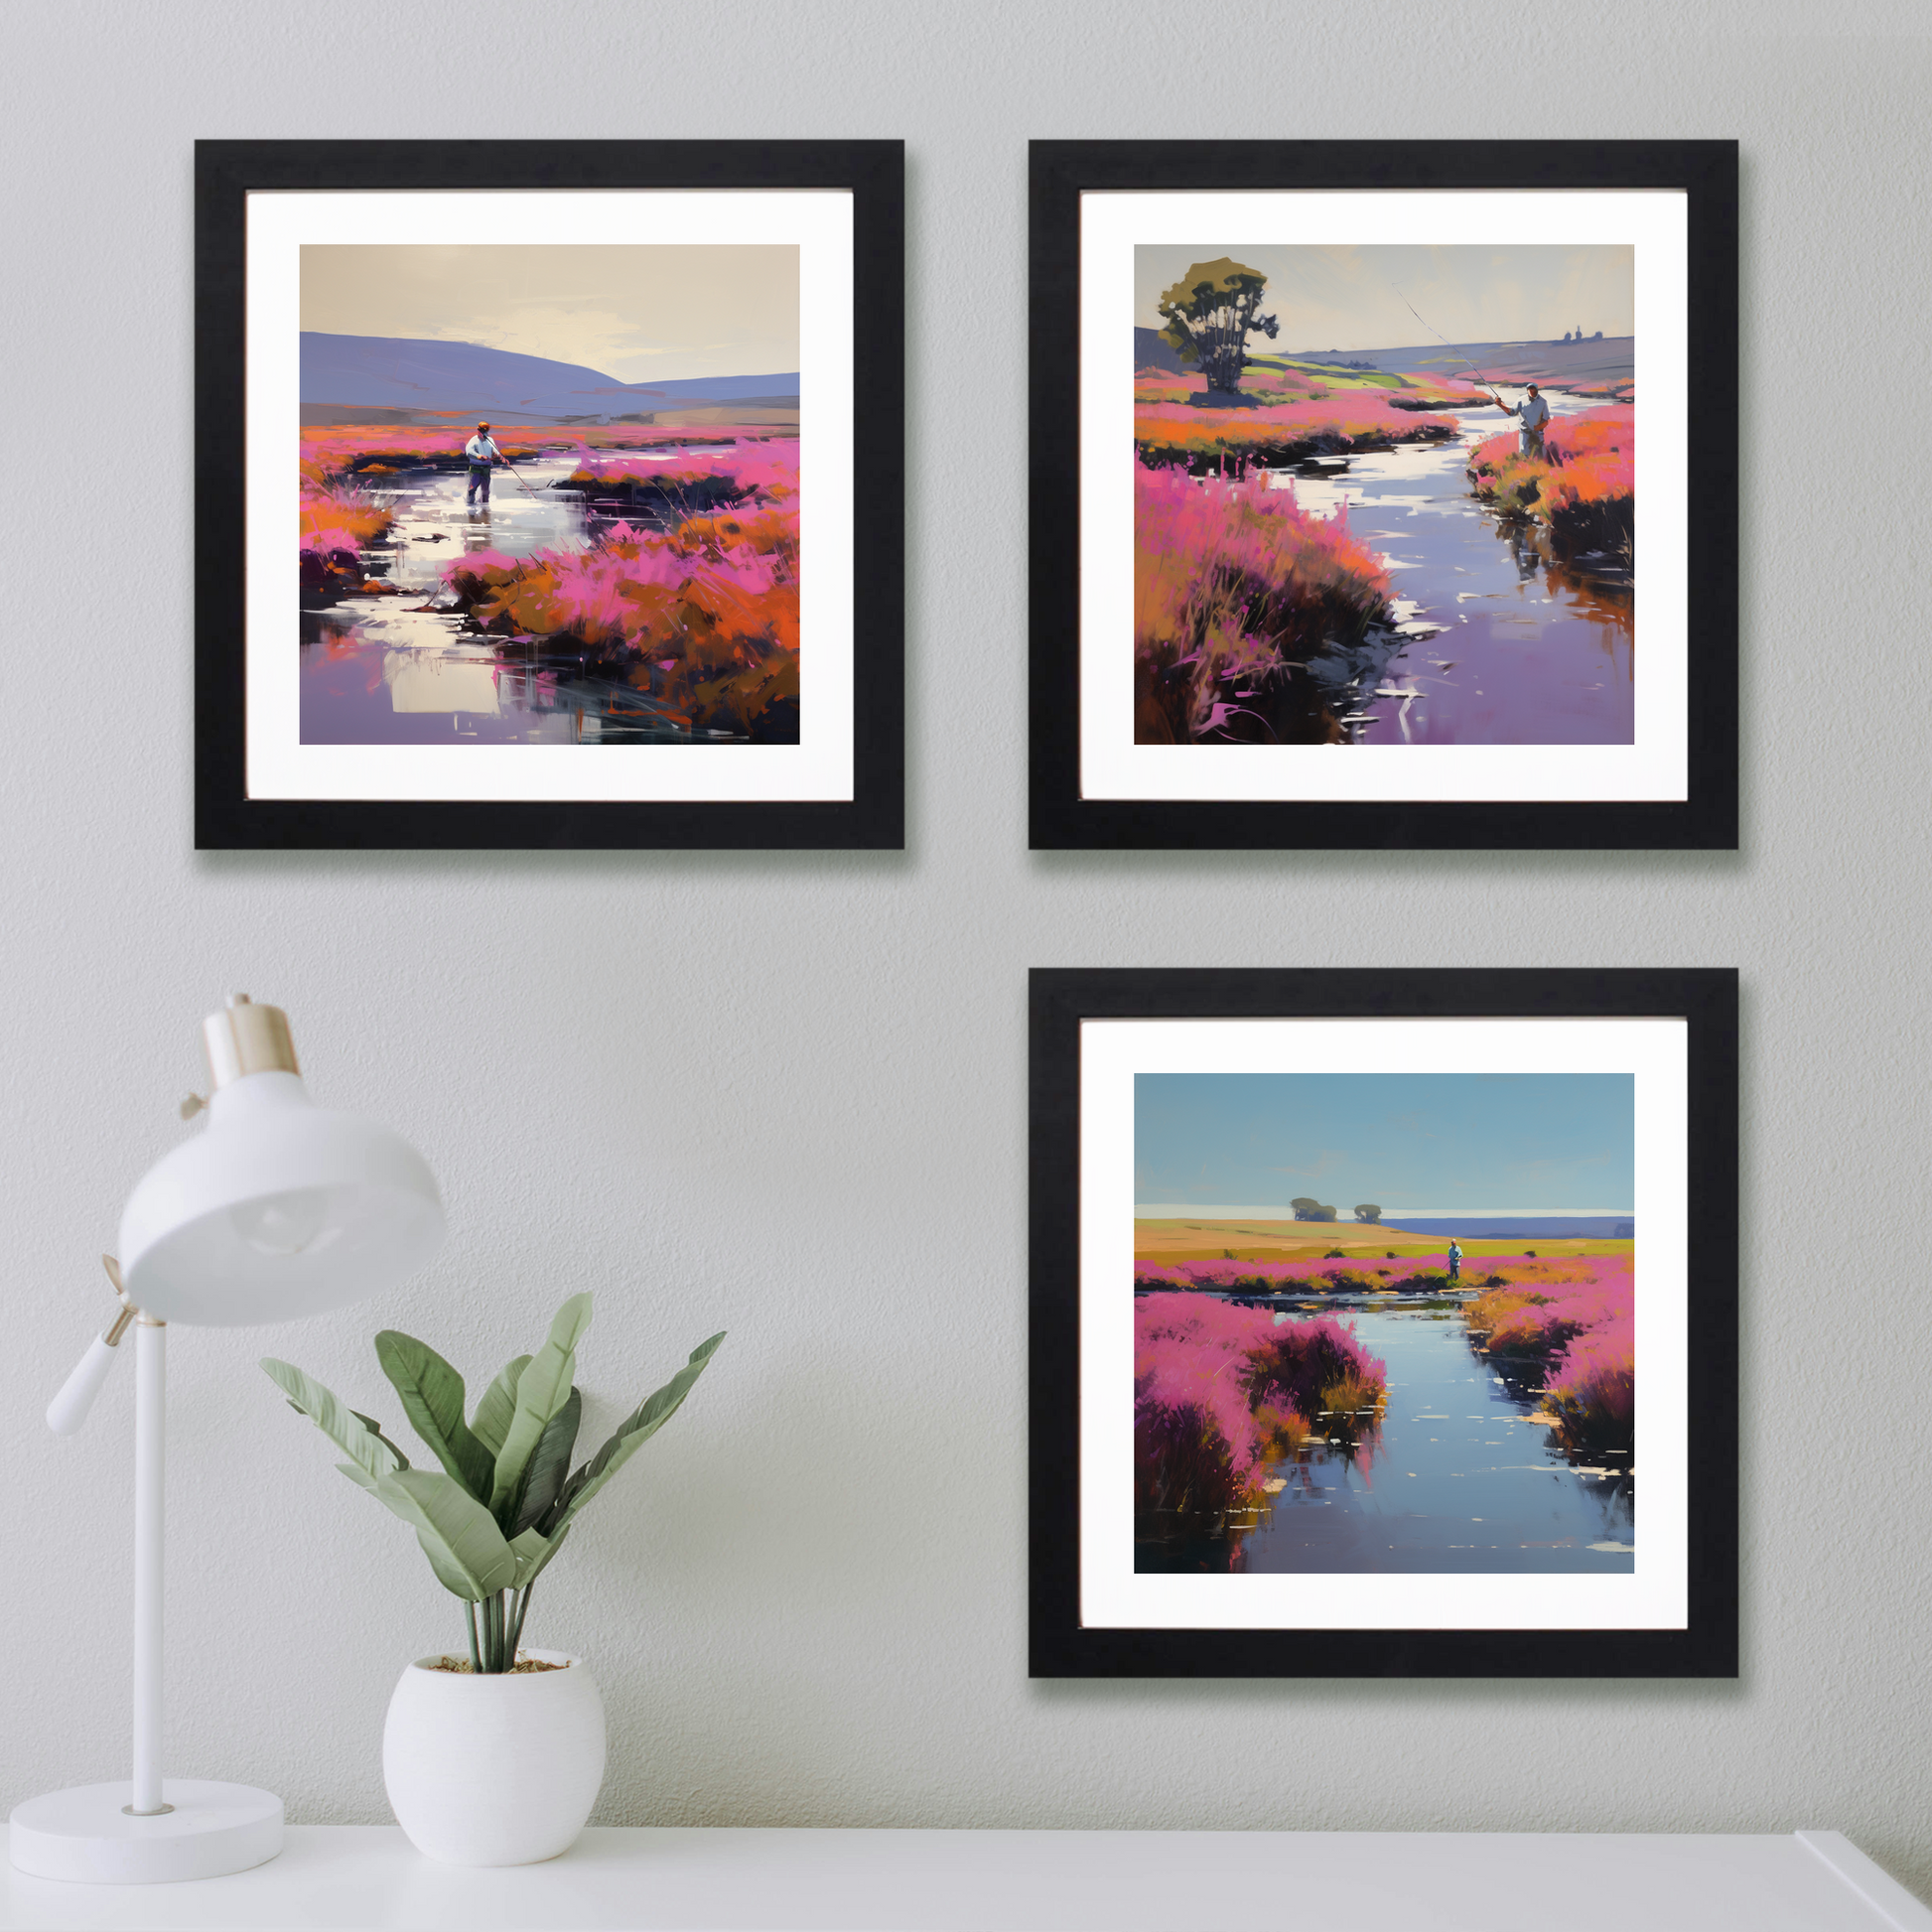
x: 278, y: 1208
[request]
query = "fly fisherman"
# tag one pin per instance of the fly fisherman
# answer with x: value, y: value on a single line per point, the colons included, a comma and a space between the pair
x: 1455, y: 1261
x: 1534, y: 413
x: 481, y: 452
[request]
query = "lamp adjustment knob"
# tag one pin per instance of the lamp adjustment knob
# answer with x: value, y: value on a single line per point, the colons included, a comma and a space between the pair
x: 191, y: 1105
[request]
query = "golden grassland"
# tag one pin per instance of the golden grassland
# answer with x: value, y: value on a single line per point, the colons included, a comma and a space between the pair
x: 1208, y: 1240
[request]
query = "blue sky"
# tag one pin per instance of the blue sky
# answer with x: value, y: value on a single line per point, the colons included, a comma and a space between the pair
x: 1354, y: 297
x: 1488, y: 1140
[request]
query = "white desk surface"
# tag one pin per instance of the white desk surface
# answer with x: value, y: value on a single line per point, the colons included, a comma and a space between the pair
x: 367, y: 1879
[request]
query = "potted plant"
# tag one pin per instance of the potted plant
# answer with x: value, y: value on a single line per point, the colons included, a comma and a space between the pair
x: 494, y: 1758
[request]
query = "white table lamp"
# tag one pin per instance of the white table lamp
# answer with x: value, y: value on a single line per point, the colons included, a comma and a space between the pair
x: 278, y: 1209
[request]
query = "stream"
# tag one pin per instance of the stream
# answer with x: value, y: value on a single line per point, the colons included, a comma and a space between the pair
x: 1457, y: 1478
x: 1497, y: 640
x: 378, y: 670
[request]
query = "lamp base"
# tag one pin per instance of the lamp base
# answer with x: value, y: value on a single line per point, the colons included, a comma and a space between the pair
x: 84, y: 1835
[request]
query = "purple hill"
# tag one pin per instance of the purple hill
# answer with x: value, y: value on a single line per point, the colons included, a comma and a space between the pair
x: 401, y: 377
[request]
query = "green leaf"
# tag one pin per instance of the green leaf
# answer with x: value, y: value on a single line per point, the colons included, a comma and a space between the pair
x: 533, y: 1550
x: 334, y: 1418
x: 432, y: 1397
x: 541, y: 1391
x: 550, y: 1465
x: 459, y: 1534
x: 491, y: 1422
x: 375, y: 1429
x: 632, y: 1434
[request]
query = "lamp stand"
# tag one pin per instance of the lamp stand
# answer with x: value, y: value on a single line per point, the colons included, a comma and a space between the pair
x: 147, y: 1829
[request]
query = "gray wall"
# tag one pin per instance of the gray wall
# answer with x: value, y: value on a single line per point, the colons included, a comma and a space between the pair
x: 786, y: 1095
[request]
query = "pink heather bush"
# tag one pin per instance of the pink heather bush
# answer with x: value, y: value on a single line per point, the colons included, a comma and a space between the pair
x: 1507, y: 1274
x: 1163, y: 385
x: 378, y: 448
x: 331, y: 540
x: 1592, y: 1386
x: 1580, y: 1317
x: 704, y: 615
x: 335, y: 521
x: 1287, y: 1277
x: 1348, y: 419
x: 329, y: 557
x: 766, y: 469
x: 1234, y: 582
x: 1584, y: 490
x: 1218, y: 1389
x: 339, y: 515
x: 1284, y: 384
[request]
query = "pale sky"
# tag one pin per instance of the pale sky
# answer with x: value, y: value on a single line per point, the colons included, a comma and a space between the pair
x: 638, y: 312
x: 1352, y: 298
x: 1463, y: 1139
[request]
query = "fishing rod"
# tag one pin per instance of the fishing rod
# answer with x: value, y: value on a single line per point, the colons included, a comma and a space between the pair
x: 1481, y: 382
x: 514, y: 471
x: 531, y: 494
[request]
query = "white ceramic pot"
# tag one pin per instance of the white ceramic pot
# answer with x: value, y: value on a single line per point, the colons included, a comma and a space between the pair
x: 494, y: 1770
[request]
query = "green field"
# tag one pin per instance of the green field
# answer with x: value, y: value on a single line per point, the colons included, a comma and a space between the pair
x: 1331, y: 377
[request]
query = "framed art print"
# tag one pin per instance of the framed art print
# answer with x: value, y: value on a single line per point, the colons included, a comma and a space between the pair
x: 1384, y: 494
x: 549, y: 493
x: 1384, y: 1324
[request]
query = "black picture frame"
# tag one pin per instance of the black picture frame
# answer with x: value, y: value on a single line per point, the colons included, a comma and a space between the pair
x: 225, y: 817
x: 1061, y: 171
x: 1062, y: 999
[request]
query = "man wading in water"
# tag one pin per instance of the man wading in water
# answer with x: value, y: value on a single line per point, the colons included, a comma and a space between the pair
x: 481, y: 451
x: 1535, y: 413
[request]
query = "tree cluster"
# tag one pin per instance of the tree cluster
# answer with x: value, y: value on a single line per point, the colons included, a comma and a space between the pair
x: 1210, y: 314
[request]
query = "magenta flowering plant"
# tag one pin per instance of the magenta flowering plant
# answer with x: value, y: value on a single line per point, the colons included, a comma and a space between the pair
x: 1584, y: 485
x: 1219, y: 1389
x: 1234, y: 585
x: 1579, y: 1320
x: 1343, y: 419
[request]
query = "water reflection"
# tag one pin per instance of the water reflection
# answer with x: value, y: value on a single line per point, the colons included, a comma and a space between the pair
x: 400, y: 668
x: 1459, y: 1478
x: 1498, y: 640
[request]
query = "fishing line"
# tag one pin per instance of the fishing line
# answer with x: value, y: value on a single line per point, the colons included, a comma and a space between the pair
x: 1447, y: 343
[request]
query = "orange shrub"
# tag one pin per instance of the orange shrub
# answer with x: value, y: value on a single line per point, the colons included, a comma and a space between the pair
x: 1282, y: 432
x: 1583, y: 488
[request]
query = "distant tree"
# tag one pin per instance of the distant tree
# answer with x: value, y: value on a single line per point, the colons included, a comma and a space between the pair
x: 1366, y: 1210
x: 1305, y: 1207
x: 1210, y: 313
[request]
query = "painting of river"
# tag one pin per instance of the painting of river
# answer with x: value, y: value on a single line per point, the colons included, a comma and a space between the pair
x: 1426, y: 545
x: 502, y: 542
x: 1323, y: 1388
